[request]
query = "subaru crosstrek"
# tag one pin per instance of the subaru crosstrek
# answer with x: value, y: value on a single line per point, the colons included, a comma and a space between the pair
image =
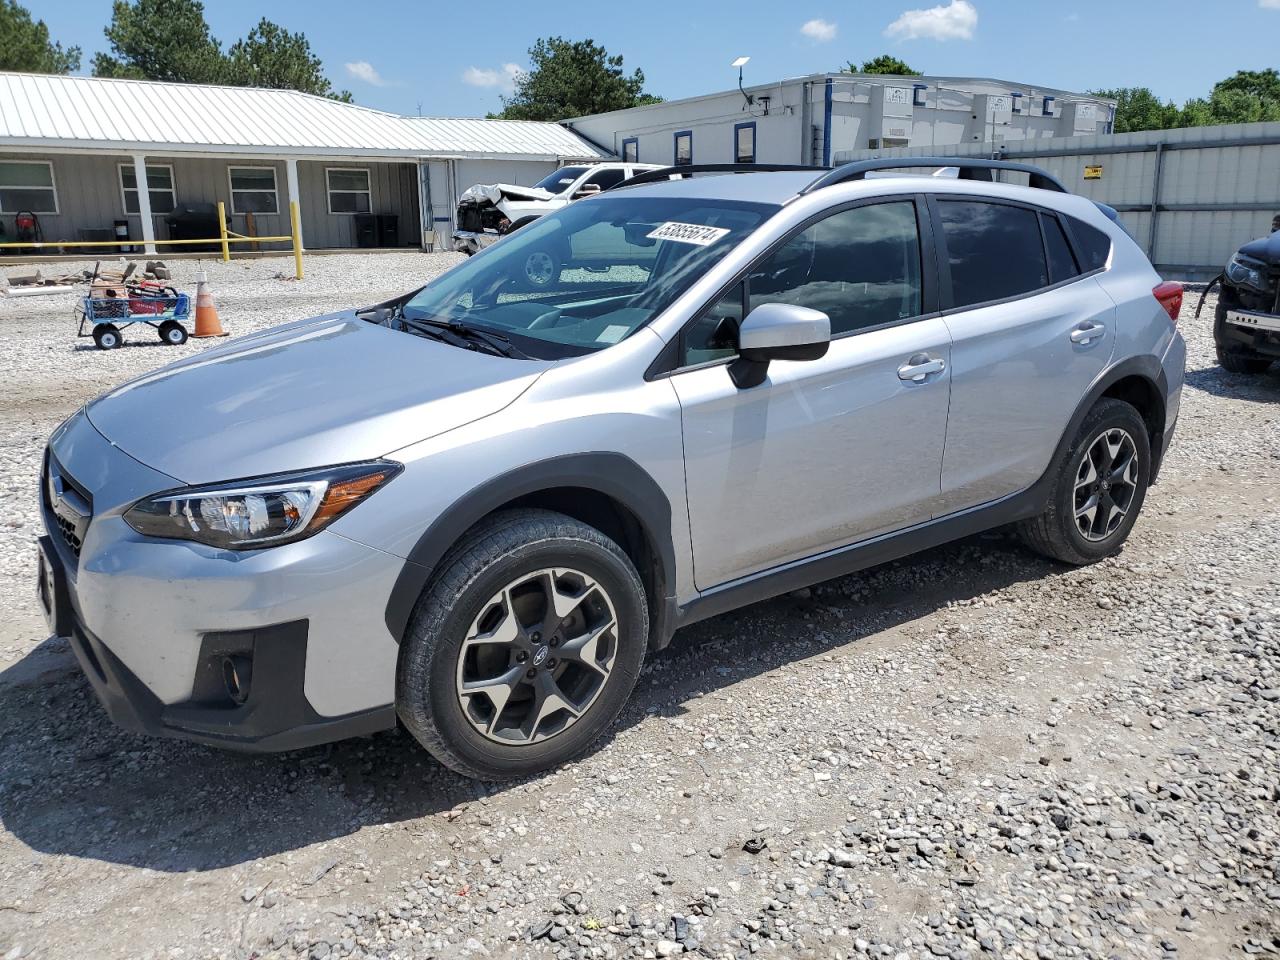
x: 476, y: 508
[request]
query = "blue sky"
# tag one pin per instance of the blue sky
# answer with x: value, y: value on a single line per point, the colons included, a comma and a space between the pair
x: 455, y: 59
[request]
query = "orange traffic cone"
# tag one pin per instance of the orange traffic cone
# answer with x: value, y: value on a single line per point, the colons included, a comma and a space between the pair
x: 207, y: 322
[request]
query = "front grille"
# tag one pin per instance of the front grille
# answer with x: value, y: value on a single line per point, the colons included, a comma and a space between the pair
x: 69, y: 504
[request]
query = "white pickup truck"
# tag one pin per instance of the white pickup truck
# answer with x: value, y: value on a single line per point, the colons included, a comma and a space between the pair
x: 488, y: 212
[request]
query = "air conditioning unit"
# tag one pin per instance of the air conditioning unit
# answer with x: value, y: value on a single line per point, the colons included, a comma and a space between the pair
x: 884, y: 143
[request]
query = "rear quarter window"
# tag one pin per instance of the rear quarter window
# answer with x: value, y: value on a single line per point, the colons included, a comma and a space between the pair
x: 1092, y: 245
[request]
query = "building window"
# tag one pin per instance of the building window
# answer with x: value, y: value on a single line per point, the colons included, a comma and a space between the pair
x: 349, y: 190
x: 918, y: 93
x: 631, y: 150
x: 683, y: 148
x: 1047, y: 109
x: 253, y: 190
x: 744, y: 142
x: 1017, y: 102
x: 159, y: 188
x: 27, y: 185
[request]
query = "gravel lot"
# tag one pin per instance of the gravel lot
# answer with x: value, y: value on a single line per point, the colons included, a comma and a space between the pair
x: 970, y: 753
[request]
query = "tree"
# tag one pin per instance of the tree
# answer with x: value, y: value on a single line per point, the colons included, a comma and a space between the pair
x: 25, y: 44
x: 170, y: 40
x: 1137, y: 108
x: 884, y: 65
x: 161, y: 40
x: 572, y: 79
x: 271, y: 56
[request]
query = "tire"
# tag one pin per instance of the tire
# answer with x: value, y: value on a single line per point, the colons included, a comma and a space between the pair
x: 1232, y: 357
x: 541, y: 268
x: 1059, y: 532
x: 173, y: 333
x: 501, y: 566
x: 107, y: 336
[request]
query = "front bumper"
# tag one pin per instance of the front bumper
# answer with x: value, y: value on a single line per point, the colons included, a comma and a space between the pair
x: 1256, y: 329
x: 153, y: 622
x: 473, y: 241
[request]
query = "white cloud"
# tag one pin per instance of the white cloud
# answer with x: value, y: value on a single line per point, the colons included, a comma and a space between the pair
x: 820, y: 31
x: 1269, y: 4
x: 504, y: 77
x: 364, y: 70
x: 955, y: 21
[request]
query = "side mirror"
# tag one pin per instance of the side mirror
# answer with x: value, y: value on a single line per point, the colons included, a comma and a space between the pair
x: 588, y: 190
x: 778, y: 331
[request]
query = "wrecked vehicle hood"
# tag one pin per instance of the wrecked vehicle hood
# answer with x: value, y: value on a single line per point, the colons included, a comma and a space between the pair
x: 332, y: 390
x: 1266, y: 249
x: 495, y: 193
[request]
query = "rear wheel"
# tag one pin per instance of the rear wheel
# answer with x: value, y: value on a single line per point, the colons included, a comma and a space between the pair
x: 1234, y: 357
x: 1102, y: 483
x: 524, y: 647
x: 541, y: 269
x: 173, y: 333
x: 107, y: 336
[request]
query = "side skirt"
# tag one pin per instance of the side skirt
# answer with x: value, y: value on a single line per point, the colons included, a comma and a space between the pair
x: 860, y: 556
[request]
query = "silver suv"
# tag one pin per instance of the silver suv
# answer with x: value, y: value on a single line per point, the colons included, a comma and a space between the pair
x: 476, y: 508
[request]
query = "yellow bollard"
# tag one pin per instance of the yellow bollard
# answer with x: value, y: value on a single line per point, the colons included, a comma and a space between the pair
x: 297, y: 238
x: 222, y: 231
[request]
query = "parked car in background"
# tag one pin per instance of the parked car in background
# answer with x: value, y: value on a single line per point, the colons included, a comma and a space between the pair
x: 488, y: 212
x: 1246, y: 322
x: 475, y: 509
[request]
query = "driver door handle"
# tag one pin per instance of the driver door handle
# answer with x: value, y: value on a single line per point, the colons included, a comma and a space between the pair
x: 919, y: 367
x: 1086, y: 332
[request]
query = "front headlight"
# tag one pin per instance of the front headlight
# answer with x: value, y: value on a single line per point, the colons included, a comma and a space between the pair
x: 1245, y: 272
x: 263, y: 512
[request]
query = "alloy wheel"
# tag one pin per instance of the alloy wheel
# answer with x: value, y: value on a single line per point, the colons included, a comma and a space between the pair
x: 1106, y: 484
x: 537, y: 656
x: 539, y: 268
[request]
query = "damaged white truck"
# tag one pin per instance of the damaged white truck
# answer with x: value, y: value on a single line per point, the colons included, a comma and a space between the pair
x: 488, y: 212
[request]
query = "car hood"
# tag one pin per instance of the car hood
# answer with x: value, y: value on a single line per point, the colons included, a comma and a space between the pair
x: 495, y: 193
x: 1266, y: 249
x: 331, y: 390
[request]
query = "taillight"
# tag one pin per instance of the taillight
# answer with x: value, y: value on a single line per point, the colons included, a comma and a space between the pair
x: 1169, y: 293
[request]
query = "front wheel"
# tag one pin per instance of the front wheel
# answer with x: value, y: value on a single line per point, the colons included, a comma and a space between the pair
x: 173, y: 333
x: 1100, y: 487
x: 524, y: 647
x: 541, y: 269
x: 107, y: 336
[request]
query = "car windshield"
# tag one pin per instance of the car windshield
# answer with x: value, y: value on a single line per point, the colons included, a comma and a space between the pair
x: 559, y: 181
x: 587, y: 276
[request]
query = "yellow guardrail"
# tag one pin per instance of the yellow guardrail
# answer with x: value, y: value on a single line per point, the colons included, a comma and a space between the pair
x: 225, y: 238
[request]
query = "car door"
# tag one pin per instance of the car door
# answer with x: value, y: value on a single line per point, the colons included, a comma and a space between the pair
x: 824, y: 452
x: 1030, y: 333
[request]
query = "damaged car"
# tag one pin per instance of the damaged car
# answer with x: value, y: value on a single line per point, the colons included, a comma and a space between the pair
x: 1246, y: 323
x: 489, y: 211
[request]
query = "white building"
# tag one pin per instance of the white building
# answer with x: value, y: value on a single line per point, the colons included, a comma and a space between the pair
x: 826, y: 118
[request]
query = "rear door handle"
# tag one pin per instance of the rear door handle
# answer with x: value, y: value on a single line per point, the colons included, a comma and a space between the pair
x: 1086, y: 332
x: 920, y: 366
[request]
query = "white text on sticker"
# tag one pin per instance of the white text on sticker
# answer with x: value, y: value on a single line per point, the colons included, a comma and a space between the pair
x: 688, y: 233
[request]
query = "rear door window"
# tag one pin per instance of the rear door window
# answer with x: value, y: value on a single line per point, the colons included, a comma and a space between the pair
x: 1093, y: 245
x: 994, y: 250
x: 1062, y: 264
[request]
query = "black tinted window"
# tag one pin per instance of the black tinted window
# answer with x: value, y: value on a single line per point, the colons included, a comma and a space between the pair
x: 1062, y: 265
x: 994, y: 250
x: 607, y: 178
x: 1094, y: 245
x: 861, y: 267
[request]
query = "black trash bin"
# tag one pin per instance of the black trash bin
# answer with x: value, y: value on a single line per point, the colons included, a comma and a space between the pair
x: 366, y: 227
x: 197, y: 221
x: 388, y: 230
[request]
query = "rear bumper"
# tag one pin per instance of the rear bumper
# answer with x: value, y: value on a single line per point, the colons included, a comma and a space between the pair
x: 1173, y: 365
x: 275, y: 714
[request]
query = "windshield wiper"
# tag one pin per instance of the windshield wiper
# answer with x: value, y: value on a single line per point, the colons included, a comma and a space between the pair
x: 465, y: 336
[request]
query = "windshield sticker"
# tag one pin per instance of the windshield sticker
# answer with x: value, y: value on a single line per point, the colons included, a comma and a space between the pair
x: 688, y: 233
x: 613, y: 333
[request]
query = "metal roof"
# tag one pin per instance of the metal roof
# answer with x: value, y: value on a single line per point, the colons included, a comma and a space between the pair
x: 92, y: 113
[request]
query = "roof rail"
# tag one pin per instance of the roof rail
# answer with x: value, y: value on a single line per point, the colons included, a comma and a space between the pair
x: 969, y: 168
x: 686, y: 169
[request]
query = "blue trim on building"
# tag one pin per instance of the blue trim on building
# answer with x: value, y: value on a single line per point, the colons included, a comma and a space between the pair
x: 917, y: 89
x: 1046, y: 107
x: 743, y: 126
x: 826, y: 122
x: 1016, y: 100
x: 675, y: 146
x: 636, y: 158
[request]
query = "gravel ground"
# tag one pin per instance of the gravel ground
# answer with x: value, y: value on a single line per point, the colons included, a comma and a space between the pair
x: 970, y: 753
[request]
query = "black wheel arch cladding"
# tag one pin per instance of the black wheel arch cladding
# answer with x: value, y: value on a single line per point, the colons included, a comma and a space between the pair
x: 612, y: 475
